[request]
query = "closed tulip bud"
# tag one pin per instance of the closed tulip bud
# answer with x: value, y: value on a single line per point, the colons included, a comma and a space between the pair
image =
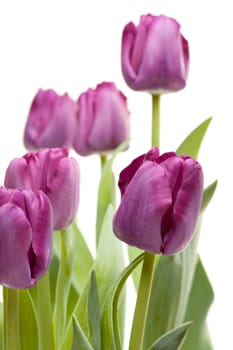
x: 51, y: 121
x: 26, y: 227
x: 155, y: 55
x: 102, y: 120
x: 161, y: 199
x: 53, y: 172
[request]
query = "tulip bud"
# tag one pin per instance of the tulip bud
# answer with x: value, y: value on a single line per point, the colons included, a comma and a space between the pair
x: 51, y: 121
x: 155, y: 55
x: 26, y: 227
x: 53, y: 172
x: 102, y: 120
x: 161, y: 199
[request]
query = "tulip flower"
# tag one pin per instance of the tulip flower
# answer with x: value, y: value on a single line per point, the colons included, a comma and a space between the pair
x: 26, y: 226
x: 155, y: 55
x: 53, y: 172
x: 161, y: 198
x: 51, y: 121
x: 102, y: 120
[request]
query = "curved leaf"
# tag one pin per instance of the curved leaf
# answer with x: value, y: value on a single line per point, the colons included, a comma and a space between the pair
x: 191, y: 145
x: 28, y: 323
x: 172, y: 340
x: 79, y: 339
x: 94, y: 313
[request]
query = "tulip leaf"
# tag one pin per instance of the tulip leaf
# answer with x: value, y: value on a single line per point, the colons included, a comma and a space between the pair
x: 108, y: 266
x: 208, y: 195
x: 191, y: 145
x: 82, y: 258
x: 133, y: 252
x: 110, y: 322
x: 79, y: 339
x: 170, y: 291
x: 173, y: 339
x: 1, y: 328
x: 106, y: 191
x: 200, y: 299
x: 28, y: 323
x: 94, y: 313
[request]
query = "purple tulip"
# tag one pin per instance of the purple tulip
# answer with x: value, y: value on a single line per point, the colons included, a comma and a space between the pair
x: 26, y: 227
x: 161, y: 199
x: 155, y: 55
x: 51, y: 121
x: 102, y: 120
x: 53, y: 172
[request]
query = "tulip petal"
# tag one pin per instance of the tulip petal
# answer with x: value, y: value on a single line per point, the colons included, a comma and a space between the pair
x: 145, y: 201
x: 15, y: 242
x: 186, y: 208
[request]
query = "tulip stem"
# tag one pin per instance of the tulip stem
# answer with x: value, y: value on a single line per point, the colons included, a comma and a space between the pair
x: 11, y: 318
x: 143, y: 300
x: 155, y: 138
x: 44, y: 312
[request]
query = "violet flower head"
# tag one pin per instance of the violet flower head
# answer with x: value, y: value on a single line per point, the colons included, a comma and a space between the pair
x: 26, y: 232
x: 161, y: 199
x: 102, y: 120
x: 53, y: 172
x: 51, y: 121
x: 154, y: 55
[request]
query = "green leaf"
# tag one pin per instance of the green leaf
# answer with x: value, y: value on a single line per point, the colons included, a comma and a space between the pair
x: 79, y: 339
x: 174, y: 339
x: 170, y: 291
x: 110, y: 319
x: 200, y: 299
x: 28, y: 323
x: 1, y: 328
x: 106, y: 191
x: 191, y: 145
x: 133, y: 252
x: 94, y: 314
x: 208, y: 194
x: 108, y: 266
x: 82, y: 258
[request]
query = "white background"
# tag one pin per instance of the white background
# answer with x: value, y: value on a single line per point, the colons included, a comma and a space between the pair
x: 72, y: 45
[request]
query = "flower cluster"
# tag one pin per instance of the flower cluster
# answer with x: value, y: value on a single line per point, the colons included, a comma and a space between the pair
x: 161, y: 201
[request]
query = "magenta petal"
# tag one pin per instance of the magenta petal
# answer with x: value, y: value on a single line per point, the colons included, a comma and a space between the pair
x: 15, y: 241
x: 147, y: 198
x: 186, y: 208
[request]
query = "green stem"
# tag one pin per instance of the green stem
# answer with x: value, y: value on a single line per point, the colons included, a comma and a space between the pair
x: 44, y: 311
x: 143, y: 300
x: 63, y: 286
x: 155, y: 135
x: 103, y: 159
x: 150, y: 259
x: 11, y: 318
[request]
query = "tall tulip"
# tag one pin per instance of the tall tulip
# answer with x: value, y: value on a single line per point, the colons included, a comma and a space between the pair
x: 102, y: 120
x: 51, y: 121
x: 161, y: 198
x: 155, y: 55
x: 53, y: 172
x: 26, y: 227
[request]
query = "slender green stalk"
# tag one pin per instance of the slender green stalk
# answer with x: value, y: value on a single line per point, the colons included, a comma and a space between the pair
x: 155, y: 135
x: 63, y: 286
x: 150, y: 259
x: 11, y: 318
x: 44, y: 311
x: 143, y: 299
x: 103, y: 159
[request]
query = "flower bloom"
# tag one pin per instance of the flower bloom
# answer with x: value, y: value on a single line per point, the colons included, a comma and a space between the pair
x: 26, y: 227
x: 155, y: 55
x: 102, y: 120
x: 161, y: 199
x: 51, y: 121
x: 53, y: 172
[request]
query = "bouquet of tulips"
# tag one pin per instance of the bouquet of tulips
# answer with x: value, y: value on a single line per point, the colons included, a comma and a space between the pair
x: 56, y: 294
